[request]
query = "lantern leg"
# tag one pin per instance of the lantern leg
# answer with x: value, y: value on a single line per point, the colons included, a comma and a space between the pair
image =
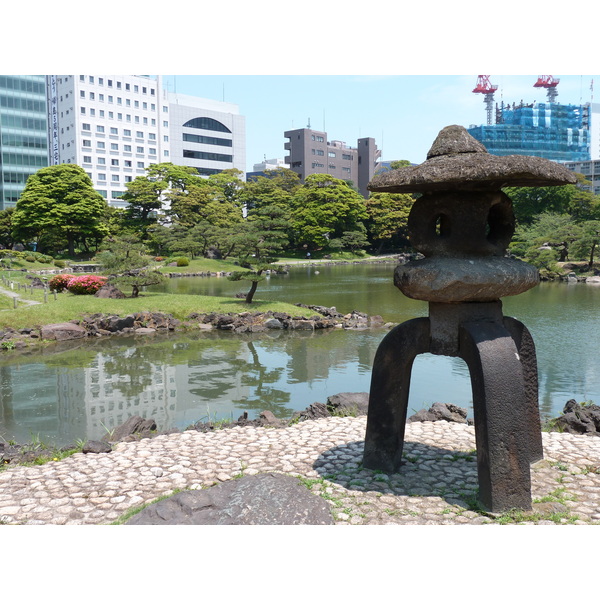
x: 500, y: 402
x: 388, y: 397
x: 526, y: 350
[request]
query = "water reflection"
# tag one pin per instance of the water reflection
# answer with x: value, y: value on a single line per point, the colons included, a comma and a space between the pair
x: 82, y: 388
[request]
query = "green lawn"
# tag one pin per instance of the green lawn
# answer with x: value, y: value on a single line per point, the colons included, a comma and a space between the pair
x: 67, y: 306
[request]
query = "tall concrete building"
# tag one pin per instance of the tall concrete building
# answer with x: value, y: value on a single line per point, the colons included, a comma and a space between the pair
x: 23, y: 133
x: 310, y: 152
x: 115, y: 126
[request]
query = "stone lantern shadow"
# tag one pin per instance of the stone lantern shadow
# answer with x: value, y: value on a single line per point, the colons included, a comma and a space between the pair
x: 463, y: 223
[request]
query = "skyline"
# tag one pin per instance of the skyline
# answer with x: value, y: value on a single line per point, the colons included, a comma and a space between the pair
x: 404, y: 113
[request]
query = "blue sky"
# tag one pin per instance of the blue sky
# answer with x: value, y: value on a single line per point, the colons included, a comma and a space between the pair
x: 403, y: 113
x: 392, y: 71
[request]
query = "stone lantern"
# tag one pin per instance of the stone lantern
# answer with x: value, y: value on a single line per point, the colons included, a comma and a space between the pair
x: 462, y: 223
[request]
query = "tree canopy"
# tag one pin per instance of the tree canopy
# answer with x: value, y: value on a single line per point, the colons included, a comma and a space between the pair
x: 59, y: 207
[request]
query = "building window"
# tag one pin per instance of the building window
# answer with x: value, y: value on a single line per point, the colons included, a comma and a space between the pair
x: 320, y: 138
x: 115, y: 178
x: 82, y: 94
x: 114, y: 131
x: 320, y: 153
x: 347, y: 156
x: 139, y: 134
x: 114, y: 162
x: 101, y: 176
x: 86, y: 127
x: 101, y: 160
x: 127, y: 132
x: 205, y: 123
x: 100, y: 145
x: 207, y: 156
x: 87, y: 143
x: 87, y: 159
x: 331, y: 154
x: 114, y: 146
x: 100, y: 128
x: 92, y: 96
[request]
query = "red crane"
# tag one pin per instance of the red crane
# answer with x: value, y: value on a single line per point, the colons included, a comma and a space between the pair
x: 550, y: 83
x: 485, y: 87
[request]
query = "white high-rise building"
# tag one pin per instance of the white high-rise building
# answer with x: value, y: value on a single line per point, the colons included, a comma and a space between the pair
x: 114, y: 126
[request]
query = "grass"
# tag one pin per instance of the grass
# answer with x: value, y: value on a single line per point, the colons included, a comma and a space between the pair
x: 69, y: 306
x: 200, y: 265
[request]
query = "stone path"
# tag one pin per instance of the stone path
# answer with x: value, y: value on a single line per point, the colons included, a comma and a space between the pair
x: 436, y: 485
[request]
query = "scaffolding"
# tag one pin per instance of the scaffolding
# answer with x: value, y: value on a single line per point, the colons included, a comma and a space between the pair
x: 558, y: 132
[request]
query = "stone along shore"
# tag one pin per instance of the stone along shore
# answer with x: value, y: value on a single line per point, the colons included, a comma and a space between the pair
x: 436, y: 485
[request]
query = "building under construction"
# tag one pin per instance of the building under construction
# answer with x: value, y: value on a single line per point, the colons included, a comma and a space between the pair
x: 558, y: 132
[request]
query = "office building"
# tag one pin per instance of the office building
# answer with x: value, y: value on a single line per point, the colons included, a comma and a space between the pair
x: 115, y: 126
x: 310, y: 152
x: 590, y: 169
x: 23, y: 133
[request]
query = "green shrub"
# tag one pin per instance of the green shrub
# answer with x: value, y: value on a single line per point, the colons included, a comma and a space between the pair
x: 30, y: 259
x: 61, y: 264
x: 182, y: 261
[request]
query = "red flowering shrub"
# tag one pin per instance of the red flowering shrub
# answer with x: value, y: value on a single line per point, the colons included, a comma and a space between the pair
x: 86, y: 284
x: 60, y: 282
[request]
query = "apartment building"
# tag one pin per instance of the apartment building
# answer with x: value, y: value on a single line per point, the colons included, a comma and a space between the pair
x: 310, y: 152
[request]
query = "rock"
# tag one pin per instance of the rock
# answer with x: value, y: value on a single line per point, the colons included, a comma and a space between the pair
x: 593, y: 280
x: 96, y: 447
x: 273, y: 324
x: 268, y: 419
x: 317, y: 410
x: 441, y: 412
x: 577, y: 418
x: 63, y: 331
x: 263, y: 499
x: 109, y: 291
x: 134, y: 426
x: 349, y: 403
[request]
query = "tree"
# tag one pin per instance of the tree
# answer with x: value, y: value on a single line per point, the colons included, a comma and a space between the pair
x: 144, y: 199
x: 528, y: 202
x: 60, y: 202
x: 388, y: 217
x: 324, y: 208
x: 126, y: 263
x: 6, y: 237
x: 262, y: 235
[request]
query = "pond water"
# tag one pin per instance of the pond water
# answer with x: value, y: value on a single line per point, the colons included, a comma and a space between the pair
x: 81, y: 389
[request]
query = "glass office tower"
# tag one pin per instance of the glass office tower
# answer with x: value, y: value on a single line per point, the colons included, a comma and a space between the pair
x: 23, y: 133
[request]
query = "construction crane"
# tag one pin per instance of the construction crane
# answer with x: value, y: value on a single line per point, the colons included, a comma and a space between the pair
x: 548, y: 82
x: 487, y: 89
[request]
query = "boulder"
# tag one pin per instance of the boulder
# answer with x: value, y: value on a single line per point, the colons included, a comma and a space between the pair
x: 349, y: 403
x: 263, y: 499
x: 582, y: 419
x: 109, y: 291
x: 134, y: 428
x: 96, y: 447
x: 441, y: 412
x: 317, y: 410
x: 63, y: 331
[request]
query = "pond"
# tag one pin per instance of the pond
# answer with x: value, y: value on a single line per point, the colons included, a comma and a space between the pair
x: 82, y: 389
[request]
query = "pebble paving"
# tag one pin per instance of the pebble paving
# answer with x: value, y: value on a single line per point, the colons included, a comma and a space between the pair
x: 436, y: 485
